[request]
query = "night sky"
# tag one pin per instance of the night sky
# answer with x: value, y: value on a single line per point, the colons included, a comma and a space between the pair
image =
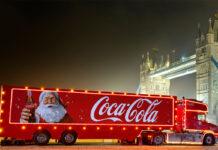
x: 96, y: 44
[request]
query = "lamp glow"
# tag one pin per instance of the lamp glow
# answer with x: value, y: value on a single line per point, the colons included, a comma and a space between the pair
x: 23, y: 127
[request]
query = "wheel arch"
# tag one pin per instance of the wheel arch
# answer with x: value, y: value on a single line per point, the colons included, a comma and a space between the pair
x: 42, y: 130
x: 73, y: 132
x: 208, y: 133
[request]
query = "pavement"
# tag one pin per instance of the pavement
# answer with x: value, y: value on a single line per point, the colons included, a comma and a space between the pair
x: 110, y: 147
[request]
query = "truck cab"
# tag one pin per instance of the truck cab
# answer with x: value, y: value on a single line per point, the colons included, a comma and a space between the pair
x: 192, y: 125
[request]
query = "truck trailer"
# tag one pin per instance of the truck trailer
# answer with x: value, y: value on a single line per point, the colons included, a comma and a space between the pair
x: 38, y: 114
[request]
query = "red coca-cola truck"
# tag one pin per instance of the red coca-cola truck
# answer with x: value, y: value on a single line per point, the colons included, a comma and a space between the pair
x: 38, y: 114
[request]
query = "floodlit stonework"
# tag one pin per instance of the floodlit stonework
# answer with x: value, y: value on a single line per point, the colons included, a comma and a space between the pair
x: 206, y: 70
x: 153, y: 85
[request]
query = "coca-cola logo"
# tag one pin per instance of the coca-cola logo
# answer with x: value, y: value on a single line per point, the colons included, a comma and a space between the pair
x: 134, y: 112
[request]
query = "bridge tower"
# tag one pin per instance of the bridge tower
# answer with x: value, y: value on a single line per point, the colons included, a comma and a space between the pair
x: 206, y: 69
x: 153, y: 85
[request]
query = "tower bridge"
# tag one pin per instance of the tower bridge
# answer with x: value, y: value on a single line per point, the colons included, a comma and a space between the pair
x: 156, y: 72
x: 177, y: 69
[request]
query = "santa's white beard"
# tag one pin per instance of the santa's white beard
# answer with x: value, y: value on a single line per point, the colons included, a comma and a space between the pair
x: 53, y: 114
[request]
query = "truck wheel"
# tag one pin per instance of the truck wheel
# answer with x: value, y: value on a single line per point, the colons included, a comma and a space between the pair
x: 41, y: 137
x: 158, y: 139
x: 68, y: 137
x: 209, y: 139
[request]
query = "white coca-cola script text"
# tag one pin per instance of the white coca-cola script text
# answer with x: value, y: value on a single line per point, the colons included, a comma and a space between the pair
x: 135, y: 112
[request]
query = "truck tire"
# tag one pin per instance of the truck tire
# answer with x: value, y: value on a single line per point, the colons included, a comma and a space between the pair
x: 41, y: 137
x: 68, y: 137
x: 158, y: 139
x: 209, y: 139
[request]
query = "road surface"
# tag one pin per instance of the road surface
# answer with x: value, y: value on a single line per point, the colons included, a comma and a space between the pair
x: 110, y: 147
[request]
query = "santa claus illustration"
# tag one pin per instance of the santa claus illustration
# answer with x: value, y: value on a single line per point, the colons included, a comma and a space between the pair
x: 50, y: 110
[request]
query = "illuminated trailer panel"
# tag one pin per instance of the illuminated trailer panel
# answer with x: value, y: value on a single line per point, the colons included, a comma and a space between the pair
x: 94, y: 114
x: 100, y: 108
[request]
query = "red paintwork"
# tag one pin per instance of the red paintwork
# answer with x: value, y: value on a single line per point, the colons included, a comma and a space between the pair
x: 178, y: 116
x: 188, y: 111
x: 80, y: 106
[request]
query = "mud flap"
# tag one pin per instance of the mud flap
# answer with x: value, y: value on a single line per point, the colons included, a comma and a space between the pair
x: 139, y: 140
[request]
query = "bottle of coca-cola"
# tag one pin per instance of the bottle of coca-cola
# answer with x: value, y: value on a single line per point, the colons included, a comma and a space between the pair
x: 31, y: 106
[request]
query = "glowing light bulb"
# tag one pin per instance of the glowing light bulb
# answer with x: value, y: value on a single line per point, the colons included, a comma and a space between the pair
x: 23, y: 127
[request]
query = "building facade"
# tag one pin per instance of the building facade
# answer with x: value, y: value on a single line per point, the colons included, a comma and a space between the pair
x: 206, y: 70
x: 153, y: 85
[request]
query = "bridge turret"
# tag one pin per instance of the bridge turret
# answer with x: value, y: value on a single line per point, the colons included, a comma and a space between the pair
x: 168, y: 61
x: 198, y: 38
x: 162, y: 61
x: 202, y: 39
x: 215, y: 27
x: 210, y: 35
x: 148, y: 61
